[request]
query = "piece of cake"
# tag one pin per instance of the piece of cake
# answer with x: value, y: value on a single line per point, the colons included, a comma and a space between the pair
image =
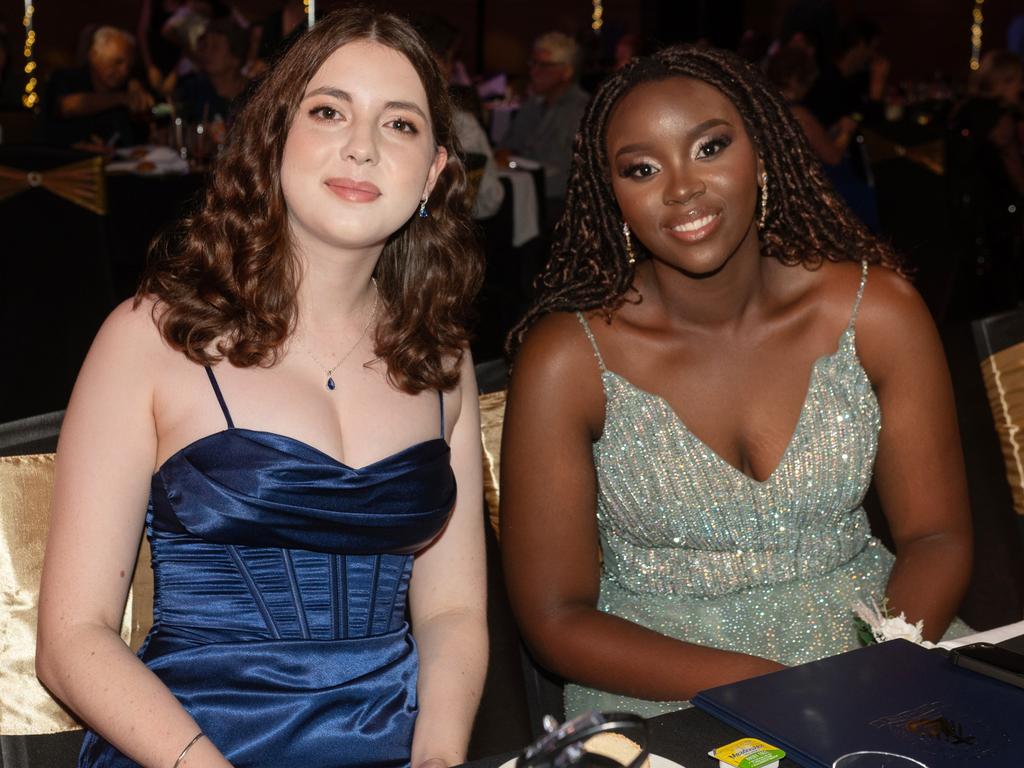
x: 617, y: 747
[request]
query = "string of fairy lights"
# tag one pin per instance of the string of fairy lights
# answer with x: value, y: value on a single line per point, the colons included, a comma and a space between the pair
x: 978, y: 19
x: 31, y: 96
x: 597, y: 17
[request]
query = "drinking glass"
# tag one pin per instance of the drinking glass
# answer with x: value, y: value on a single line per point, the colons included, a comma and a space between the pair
x: 873, y: 759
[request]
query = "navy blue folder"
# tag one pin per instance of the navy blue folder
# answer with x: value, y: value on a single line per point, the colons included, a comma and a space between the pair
x: 892, y: 697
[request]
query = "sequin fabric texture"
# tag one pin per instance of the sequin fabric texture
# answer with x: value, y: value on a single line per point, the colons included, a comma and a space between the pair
x: 695, y: 549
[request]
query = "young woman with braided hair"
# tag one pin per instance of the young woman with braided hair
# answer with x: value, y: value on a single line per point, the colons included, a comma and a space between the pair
x: 719, y: 361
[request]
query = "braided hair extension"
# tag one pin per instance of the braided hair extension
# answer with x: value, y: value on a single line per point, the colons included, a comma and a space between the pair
x: 806, y: 221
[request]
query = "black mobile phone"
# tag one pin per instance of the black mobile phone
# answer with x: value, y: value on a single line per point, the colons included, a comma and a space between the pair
x: 1000, y: 663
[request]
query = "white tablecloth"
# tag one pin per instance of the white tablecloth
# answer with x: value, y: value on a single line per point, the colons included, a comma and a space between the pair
x: 525, y: 206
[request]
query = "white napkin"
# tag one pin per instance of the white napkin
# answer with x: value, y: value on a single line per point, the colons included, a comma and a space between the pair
x: 993, y: 636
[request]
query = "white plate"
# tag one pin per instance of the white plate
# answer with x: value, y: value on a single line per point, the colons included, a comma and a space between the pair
x: 657, y: 761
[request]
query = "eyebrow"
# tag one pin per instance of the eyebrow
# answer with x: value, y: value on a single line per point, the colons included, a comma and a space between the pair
x: 693, y: 133
x: 337, y: 93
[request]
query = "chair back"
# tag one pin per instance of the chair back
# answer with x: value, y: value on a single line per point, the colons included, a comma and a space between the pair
x: 1000, y: 344
x: 35, y: 728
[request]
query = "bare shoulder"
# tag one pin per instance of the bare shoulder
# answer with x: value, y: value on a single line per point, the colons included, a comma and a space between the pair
x: 887, y: 294
x: 557, y: 346
x: 556, y: 370
x: 892, y: 321
x: 127, y: 358
x: 890, y: 303
x: 131, y: 329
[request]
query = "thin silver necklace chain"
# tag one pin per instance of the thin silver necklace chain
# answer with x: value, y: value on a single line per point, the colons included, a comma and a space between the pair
x: 331, y: 385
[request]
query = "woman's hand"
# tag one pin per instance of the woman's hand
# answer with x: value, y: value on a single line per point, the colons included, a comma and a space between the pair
x: 433, y: 762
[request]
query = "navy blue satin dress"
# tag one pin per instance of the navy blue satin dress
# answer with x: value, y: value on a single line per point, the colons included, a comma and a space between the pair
x: 281, y: 578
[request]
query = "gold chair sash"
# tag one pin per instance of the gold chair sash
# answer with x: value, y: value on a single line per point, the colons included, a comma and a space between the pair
x: 1003, y: 373
x: 26, y: 491
x: 492, y: 418
x: 82, y: 183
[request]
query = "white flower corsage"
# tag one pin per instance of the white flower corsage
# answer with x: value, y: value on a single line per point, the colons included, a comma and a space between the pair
x: 876, y: 625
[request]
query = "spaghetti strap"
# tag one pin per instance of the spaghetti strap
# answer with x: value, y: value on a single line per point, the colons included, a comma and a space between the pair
x: 440, y: 402
x: 860, y: 293
x: 220, y: 397
x: 593, y: 341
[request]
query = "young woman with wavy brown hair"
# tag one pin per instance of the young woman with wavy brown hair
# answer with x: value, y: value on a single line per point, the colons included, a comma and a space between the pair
x: 719, y: 362
x: 292, y: 391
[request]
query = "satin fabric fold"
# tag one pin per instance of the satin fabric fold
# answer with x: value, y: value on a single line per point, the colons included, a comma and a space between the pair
x: 357, y: 714
x: 278, y: 491
x: 281, y: 579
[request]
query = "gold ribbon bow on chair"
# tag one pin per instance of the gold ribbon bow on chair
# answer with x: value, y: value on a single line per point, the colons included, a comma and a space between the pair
x: 81, y: 183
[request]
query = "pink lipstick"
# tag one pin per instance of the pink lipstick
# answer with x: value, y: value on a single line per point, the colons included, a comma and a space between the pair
x: 352, y: 190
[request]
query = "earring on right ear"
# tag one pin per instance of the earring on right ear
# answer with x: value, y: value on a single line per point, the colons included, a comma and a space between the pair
x: 764, y: 201
x: 630, y: 255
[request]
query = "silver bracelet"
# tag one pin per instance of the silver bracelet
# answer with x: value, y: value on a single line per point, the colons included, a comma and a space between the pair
x: 188, y: 746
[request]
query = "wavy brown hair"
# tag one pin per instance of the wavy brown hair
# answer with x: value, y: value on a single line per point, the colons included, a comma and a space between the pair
x: 806, y: 221
x: 225, y: 278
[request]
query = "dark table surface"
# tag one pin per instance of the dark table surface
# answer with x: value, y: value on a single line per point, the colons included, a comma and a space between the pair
x: 684, y: 737
x: 687, y: 736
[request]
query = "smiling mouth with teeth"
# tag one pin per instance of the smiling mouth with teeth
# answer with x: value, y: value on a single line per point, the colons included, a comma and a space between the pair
x: 693, y: 226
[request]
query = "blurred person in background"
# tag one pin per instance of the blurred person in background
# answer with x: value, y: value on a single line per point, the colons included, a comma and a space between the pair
x: 545, y: 126
x: 985, y: 182
x: 849, y: 88
x: 442, y: 38
x: 851, y: 82
x: 274, y: 35
x: 98, y: 106
x: 210, y: 94
x: 793, y: 71
x: 159, y: 55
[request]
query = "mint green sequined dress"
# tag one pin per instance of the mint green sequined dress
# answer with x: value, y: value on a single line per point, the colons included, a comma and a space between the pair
x: 697, y: 550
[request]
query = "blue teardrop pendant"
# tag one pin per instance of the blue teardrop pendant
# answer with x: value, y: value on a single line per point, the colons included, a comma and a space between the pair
x: 330, y: 382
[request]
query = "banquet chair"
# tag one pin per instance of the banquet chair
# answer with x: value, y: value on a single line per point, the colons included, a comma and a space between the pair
x: 999, y: 341
x: 543, y: 688
x: 55, y: 279
x: 36, y: 731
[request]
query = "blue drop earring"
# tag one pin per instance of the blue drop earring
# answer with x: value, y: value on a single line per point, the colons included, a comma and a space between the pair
x: 423, y: 208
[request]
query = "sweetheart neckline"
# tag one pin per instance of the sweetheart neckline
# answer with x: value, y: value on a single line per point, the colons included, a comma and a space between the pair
x: 704, y: 446
x: 302, y: 444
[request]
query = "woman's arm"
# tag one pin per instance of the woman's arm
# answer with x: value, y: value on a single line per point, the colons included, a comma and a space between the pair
x: 105, y: 459
x: 919, y: 470
x: 549, y: 534
x: 153, y: 73
x: 448, y: 600
x: 829, y: 148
